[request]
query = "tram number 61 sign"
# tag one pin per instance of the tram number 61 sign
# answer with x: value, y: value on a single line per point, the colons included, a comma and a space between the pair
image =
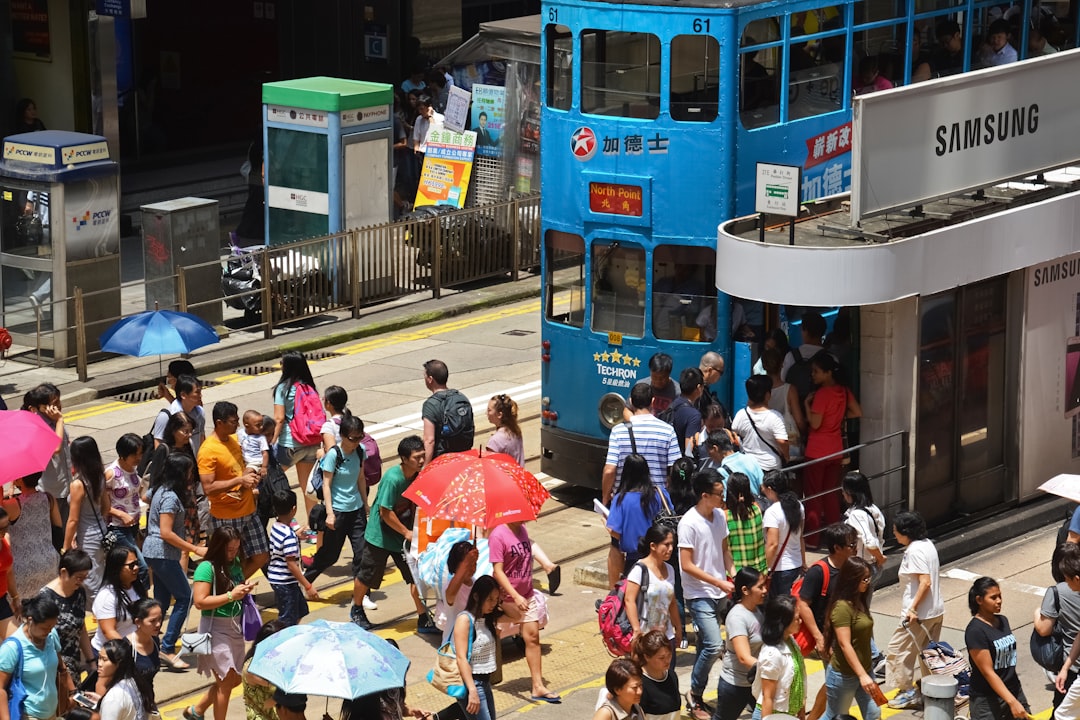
x: 776, y: 189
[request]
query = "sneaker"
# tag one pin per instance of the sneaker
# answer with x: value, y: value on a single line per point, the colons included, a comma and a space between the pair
x: 684, y: 643
x: 358, y: 617
x: 908, y: 699
x: 370, y: 604
x: 879, y: 666
x: 425, y: 625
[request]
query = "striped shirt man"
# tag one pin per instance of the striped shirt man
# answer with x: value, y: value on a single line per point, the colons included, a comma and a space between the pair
x: 656, y: 442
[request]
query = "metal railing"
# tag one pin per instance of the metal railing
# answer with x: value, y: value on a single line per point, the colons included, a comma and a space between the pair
x: 298, y: 280
x: 890, y: 485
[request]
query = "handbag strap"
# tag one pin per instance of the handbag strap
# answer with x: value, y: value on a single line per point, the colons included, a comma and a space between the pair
x: 781, y: 553
x: 93, y: 505
x: 760, y: 436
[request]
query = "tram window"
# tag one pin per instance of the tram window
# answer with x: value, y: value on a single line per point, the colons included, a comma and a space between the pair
x: 565, y: 278
x: 817, y: 20
x: 620, y: 74
x: 618, y: 289
x: 684, y: 293
x: 759, y: 69
x: 868, y: 11
x: 695, y: 78
x: 815, y: 74
x: 560, y: 60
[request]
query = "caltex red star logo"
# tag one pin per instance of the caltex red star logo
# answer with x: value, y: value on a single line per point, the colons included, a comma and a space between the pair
x: 583, y: 143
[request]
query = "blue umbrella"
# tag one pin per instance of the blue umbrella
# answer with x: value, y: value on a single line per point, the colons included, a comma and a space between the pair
x: 331, y: 659
x: 158, y: 332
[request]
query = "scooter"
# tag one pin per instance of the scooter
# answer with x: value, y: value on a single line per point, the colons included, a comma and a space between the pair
x: 243, y: 274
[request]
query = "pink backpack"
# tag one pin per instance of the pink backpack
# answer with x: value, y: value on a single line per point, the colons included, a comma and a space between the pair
x: 308, y: 415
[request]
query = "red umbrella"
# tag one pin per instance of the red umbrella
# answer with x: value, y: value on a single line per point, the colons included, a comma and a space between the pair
x: 29, y: 443
x: 476, y: 489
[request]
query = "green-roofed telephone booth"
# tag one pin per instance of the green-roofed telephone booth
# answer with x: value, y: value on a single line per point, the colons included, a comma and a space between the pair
x: 328, y: 156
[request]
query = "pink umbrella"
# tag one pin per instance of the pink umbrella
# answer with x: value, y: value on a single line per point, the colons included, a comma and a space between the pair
x: 29, y: 443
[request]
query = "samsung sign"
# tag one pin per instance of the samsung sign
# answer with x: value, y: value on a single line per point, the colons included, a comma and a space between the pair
x: 938, y: 138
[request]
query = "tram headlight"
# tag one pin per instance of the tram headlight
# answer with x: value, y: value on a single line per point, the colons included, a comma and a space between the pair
x: 611, y: 409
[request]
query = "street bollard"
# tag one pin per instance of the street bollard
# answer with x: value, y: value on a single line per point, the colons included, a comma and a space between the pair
x: 939, y: 697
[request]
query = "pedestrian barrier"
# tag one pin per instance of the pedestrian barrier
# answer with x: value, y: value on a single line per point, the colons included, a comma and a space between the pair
x: 890, y: 485
x: 340, y: 272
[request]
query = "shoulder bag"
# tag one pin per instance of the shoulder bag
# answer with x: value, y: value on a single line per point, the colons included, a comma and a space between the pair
x: 1049, y: 652
x: 761, y: 437
x: 445, y: 676
x: 16, y: 691
x: 200, y: 643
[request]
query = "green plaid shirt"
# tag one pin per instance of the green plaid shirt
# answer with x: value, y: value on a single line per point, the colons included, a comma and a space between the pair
x: 746, y: 538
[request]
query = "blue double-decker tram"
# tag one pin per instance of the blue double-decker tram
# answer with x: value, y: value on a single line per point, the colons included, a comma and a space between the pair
x: 654, y: 116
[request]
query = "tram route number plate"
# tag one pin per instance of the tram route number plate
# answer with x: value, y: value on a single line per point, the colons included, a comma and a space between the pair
x: 614, y: 338
x: 615, y: 199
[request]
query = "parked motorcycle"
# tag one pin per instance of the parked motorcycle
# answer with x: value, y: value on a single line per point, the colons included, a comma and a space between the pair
x: 297, y: 280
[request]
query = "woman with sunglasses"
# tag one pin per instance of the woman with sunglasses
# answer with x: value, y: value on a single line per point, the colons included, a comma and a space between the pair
x: 345, y: 491
x: 115, y: 601
x: 848, y: 630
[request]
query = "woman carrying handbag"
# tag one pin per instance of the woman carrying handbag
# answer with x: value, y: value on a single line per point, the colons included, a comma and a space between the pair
x: 475, y: 629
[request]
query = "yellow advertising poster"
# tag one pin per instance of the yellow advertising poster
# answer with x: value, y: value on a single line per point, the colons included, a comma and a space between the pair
x: 448, y: 162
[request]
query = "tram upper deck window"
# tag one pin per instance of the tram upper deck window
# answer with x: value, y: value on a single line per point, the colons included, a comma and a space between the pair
x: 618, y: 289
x: 815, y: 75
x: 620, y: 74
x: 565, y: 278
x: 560, y: 61
x: 759, y: 71
x: 684, y: 293
x: 695, y: 78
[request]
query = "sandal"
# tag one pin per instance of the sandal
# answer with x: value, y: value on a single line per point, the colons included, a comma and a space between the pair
x: 190, y: 714
x: 173, y: 662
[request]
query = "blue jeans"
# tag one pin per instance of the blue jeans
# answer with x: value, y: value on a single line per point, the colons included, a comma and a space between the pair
x: 780, y: 582
x: 731, y: 700
x: 840, y: 690
x: 128, y: 537
x: 487, y: 700
x: 706, y: 615
x: 291, y: 603
x: 171, y: 583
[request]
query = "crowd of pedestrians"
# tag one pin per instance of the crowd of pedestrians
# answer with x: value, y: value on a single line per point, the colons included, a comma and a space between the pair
x: 203, y: 488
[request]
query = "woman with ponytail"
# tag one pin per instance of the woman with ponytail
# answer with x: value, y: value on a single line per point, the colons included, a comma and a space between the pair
x: 785, y: 548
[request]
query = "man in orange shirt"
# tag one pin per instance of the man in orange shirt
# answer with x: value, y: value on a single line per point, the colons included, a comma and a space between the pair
x: 228, y: 487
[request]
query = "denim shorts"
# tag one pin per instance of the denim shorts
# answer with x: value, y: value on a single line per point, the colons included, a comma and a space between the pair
x: 289, y: 456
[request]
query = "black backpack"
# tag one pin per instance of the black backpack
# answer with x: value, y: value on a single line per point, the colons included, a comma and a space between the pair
x: 273, y: 486
x: 455, y: 433
x: 799, y: 375
x: 148, y: 445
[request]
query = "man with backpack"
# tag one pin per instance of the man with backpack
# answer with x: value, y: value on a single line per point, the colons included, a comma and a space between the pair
x: 683, y: 413
x: 812, y: 590
x: 189, y: 400
x: 796, y: 368
x: 447, y: 414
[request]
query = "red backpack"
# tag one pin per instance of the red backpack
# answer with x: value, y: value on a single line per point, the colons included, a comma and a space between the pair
x: 615, y: 629
x: 308, y: 415
x: 803, y: 637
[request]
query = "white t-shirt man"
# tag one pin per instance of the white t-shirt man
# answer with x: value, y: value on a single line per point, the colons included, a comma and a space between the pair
x: 921, y: 558
x: 792, y: 555
x: 770, y: 425
x: 706, y: 539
